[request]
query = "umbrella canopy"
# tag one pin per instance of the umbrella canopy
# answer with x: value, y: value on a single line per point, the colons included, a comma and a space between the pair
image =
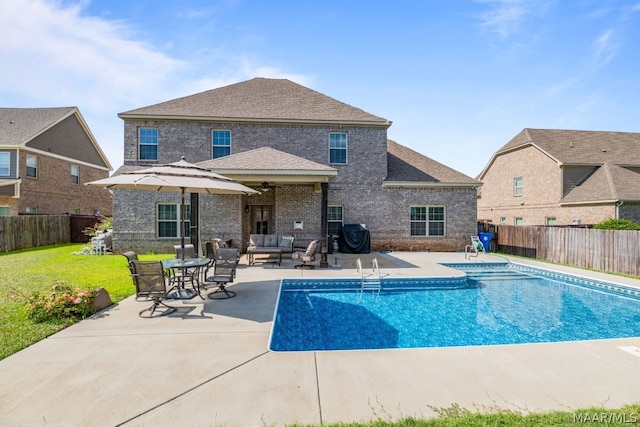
x: 181, y: 177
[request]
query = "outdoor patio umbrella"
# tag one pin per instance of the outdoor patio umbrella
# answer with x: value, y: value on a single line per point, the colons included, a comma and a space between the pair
x: 181, y: 177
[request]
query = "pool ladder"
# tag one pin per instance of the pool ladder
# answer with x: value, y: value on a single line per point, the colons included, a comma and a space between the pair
x: 370, y: 282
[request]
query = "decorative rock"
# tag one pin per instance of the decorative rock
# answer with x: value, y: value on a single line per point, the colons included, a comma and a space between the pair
x: 101, y: 301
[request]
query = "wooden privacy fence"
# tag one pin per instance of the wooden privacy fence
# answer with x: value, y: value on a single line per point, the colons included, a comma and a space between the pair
x: 30, y: 231
x: 616, y: 251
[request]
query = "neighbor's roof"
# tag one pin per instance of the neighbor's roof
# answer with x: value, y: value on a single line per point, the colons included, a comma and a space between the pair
x: 581, y: 146
x: 34, y: 128
x: 259, y: 99
x: 20, y: 125
x: 615, y: 154
x: 408, y: 168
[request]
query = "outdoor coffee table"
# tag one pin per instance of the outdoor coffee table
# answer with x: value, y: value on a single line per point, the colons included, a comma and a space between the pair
x: 195, y: 264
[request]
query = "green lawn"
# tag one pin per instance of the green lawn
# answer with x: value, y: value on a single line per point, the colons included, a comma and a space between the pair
x: 23, y: 272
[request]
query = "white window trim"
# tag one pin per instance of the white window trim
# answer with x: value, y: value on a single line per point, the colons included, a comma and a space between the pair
x: 517, y: 187
x: 346, y: 148
x: 8, y: 163
x: 140, y: 143
x: 76, y: 176
x: 213, y: 146
x: 35, y: 158
x: 187, y: 221
x: 341, y: 221
x: 427, y: 222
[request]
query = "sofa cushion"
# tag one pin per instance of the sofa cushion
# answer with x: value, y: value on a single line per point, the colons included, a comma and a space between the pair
x: 271, y: 240
x: 286, y: 242
x: 256, y: 240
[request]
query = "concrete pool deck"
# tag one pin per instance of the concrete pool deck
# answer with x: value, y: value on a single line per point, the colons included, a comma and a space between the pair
x: 208, y: 364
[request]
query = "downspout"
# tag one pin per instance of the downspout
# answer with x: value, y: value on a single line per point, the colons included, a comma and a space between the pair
x: 618, y: 204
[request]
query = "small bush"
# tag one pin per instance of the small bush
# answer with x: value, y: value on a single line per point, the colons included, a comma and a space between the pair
x: 61, y: 303
x: 617, y: 224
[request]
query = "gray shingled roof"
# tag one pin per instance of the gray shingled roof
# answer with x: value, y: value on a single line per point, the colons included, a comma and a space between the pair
x: 611, y: 151
x: 19, y: 125
x: 258, y: 99
x: 263, y: 159
x: 406, y: 165
x: 581, y: 146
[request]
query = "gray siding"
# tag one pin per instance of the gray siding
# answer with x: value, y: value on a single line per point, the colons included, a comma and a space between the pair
x: 69, y: 139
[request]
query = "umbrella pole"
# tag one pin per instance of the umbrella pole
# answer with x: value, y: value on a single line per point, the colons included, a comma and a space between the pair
x: 182, y: 224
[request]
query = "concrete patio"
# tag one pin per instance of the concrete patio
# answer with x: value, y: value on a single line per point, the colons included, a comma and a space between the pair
x: 208, y: 364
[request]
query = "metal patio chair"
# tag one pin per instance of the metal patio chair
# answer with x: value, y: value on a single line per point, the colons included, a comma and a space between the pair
x: 152, y: 283
x: 222, y: 272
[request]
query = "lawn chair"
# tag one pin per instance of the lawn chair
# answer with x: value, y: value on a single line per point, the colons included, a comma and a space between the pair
x: 474, y: 248
x: 151, y: 283
x: 307, y: 257
x: 222, y: 272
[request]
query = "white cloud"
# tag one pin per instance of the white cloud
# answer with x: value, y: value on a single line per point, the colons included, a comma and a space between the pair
x: 58, y: 56
x: 505, y: 17
x: 605, y: 47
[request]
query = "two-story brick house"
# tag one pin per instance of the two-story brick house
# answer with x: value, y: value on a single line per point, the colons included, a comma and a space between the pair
x: 562, y: 177
x: 317, y: 162
x: 46, y: 155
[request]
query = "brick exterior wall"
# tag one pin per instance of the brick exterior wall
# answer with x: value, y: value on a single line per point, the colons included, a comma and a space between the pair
x: 53, y: 193
x: 542, y: 191
x: 358, y: 188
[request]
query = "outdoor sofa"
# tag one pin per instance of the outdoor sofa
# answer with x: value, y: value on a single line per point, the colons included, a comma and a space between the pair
x: 269, y: 244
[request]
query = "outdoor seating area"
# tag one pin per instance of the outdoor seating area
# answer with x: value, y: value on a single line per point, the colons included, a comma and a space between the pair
x: 269, y: 244
x: 102, y: 243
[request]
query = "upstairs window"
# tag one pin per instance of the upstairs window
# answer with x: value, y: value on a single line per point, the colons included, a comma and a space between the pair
x: 32, y: 166
x: 338, y: 148
x: 75, y: 175
x: 5, y: 165
x: 4, y: 211
x: 334, y: 219
x: 148, y: 143
x: 168, y: 216
x: 221, y: 143
x: 427, y: 221
x: 518, y: 186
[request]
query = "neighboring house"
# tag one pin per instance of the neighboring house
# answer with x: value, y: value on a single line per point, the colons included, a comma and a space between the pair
x: 562, y: 177
x: 46, y: 155
x: 319, y: 164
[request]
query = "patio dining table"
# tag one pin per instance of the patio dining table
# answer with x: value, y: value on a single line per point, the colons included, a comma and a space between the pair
x: 191, y: 267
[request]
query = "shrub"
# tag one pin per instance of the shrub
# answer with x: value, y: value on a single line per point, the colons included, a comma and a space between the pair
x: 61, y: 303
x: 617, y: 224
x: 104, y: 223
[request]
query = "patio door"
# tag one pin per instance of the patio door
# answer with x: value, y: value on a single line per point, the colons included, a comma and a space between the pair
x: 261, y: 219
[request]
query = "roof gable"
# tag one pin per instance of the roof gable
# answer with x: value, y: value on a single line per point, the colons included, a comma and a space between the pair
x: 258, y: 99
x: 20, y: 125
x: 59, y: 131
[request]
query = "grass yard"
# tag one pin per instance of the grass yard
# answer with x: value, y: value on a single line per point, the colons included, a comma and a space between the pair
x: 26, y: 271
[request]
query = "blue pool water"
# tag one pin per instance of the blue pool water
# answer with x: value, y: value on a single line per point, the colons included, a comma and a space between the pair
x: 493, y: 304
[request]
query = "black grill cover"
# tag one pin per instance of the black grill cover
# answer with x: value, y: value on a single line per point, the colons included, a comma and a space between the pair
x: 354, y: 239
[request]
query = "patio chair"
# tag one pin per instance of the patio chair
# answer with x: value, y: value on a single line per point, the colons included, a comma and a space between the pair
x: 189, y: 251
x: 307, y: 257
x: 151, y: 282
x: 221, y: 273
x: 474, y: 248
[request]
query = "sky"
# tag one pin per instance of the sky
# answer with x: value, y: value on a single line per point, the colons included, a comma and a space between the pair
x: 457, y: 78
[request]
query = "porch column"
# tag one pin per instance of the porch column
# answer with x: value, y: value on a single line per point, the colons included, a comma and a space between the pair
x: 323, y: 225
x: 195, y: 222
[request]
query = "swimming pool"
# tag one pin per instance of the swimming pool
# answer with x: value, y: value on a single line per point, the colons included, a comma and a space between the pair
x: 487, y: 304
